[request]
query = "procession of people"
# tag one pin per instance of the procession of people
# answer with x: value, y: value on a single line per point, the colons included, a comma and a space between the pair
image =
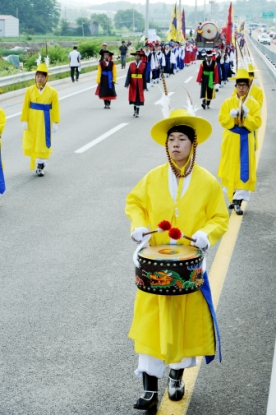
x: 168, y: 329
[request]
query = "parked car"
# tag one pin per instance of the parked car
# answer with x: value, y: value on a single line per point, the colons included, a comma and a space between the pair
x: 272, y: 34
x: 264, y: 38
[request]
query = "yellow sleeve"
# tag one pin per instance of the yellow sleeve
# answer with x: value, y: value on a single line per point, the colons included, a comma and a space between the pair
x: 55, y: 113
x: 26, y: 106
x: 136, y: 205
x: 259, y: 96
x: 114, y: 73
x: 225, y: 119
x: 253, y: 120
x: 2, y: 120
x: 99, y: 74
x: 217, y: 214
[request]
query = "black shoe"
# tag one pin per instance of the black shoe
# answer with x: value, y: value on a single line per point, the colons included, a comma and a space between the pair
x: 237, y: 206
x: 40, y: 169
x: 149, y: 399
x: 176, y: 386
x: 203, y: 105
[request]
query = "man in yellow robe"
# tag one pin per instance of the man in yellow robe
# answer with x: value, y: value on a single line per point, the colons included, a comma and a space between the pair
x: 40, y: 116
x: 2, y: 126
x: 240, y: 117
x: 254, y: 91
x: 175, y: 329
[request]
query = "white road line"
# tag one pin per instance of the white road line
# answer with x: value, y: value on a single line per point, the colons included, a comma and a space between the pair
x: 14, y: 115
x: 271, y: 407
x: 188, y: 80
x: 169, y: 94
x: 101, y: 138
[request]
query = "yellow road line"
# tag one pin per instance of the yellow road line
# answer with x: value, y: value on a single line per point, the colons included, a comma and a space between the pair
x: 217, y: 277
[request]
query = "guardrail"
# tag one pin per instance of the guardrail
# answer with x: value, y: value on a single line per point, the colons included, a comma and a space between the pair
x: 266, y: 51
x: 268, y: 55
x: 26, y: 76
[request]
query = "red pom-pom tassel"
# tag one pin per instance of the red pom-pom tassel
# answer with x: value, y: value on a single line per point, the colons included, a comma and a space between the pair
x: 175, y: 233
x: 164, y: 225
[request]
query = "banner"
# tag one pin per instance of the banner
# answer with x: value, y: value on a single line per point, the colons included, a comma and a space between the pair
x: 172, y: 35
x: 183, y: 25
x: 229, y: 25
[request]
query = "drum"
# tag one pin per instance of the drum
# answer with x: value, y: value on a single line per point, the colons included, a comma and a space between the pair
x: 170, y: 269
x: 209, y: 31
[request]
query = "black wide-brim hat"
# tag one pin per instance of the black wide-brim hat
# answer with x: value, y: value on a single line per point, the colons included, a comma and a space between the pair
x: 107, y: 51
x: 138, y: 52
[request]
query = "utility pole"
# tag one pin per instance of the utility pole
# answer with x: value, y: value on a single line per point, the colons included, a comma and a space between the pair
x: 133, y: 19
x: 196, y: 13
x: 147, y: 20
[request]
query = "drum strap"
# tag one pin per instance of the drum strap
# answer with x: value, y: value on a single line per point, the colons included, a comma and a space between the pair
x: 206, y: 291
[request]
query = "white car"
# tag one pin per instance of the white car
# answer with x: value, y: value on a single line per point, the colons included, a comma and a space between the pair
x: 264, y: 38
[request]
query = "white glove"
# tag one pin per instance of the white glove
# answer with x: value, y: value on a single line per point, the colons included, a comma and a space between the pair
x: 25, y: 125
x: 54, y: 127
x: 245, y: 111
x: 137, y: 235
x: 202, y: 241
x: 234, y: 113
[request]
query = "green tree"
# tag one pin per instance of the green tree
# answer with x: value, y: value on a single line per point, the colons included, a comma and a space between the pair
x: 64, y: 25
x: 104, y: 21
x: 35, y: 16
x: 129, y: 18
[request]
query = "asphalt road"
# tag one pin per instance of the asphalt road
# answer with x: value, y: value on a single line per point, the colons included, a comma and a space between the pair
x: 67, y: 277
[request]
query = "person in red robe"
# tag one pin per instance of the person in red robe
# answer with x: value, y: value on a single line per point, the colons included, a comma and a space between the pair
x: 136, y: 82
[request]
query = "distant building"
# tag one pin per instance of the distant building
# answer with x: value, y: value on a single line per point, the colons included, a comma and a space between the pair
x: 94, y: 28
x: 9, y: 26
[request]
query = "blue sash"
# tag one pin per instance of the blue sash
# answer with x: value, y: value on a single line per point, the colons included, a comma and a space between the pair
x: 109, y: 78
x: 46, y: 108
x: 244, y: 152
x: 206, y: 291
x: 2, y: 178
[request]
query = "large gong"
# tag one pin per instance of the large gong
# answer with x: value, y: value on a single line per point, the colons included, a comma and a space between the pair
x: 209, y: 31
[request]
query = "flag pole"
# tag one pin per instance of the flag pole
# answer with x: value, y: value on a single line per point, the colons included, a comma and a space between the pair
x: 147, y: 20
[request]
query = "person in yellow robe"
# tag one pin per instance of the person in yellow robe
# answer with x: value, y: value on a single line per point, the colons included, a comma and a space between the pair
x: 240, y: 117
x: 254, y: 91
x: 2, y: 126
x: 175, y: 329
x: 40, y: 116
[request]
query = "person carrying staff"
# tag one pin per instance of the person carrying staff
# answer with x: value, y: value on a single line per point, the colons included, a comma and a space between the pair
x: 175, y: 329
x: 240, y: 117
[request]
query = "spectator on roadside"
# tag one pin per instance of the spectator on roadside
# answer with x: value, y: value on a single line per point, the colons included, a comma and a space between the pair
x: 102, y: 51
x: 123, y: 52
x: 128, y: 43
x: 74, y: 63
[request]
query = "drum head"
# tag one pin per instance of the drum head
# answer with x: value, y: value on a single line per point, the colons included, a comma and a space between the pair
x: 170, y: 252
x: 210, y: 31
x: 169, y: 269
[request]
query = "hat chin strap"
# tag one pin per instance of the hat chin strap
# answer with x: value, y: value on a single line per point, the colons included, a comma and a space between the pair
x: 190, y: 162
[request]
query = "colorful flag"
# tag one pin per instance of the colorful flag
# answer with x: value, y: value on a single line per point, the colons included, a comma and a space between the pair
x: 180, y: 37
x: 172, y: 35
x: 229, y: 25
x: 183, y: 25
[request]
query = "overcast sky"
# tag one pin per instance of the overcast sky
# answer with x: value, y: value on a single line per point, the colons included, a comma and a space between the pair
x: 183, y: 2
